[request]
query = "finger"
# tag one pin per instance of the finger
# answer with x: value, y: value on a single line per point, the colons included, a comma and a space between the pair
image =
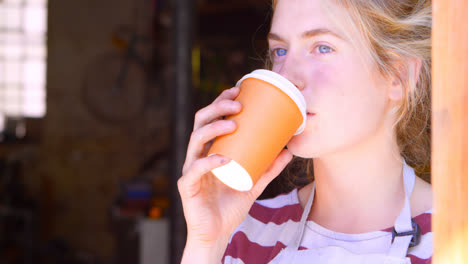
x: 215, y: 111
x: 205, y: 134
x: 229, y: 94
x: 208, y: 114
x: 272, y: 172
x: 189, y: 184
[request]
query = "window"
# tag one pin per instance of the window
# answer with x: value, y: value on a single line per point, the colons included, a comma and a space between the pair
x: 23, y: 28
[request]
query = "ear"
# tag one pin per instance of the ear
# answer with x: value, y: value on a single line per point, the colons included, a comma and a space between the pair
x: 408, y: 74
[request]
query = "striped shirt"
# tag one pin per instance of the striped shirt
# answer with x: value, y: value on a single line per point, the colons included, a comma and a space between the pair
x: 271, y: 223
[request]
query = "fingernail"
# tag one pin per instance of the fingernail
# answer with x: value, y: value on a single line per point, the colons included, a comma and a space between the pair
x: 224, y: 161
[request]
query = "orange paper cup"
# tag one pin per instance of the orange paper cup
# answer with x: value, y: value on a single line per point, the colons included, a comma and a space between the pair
x: 273, y: 110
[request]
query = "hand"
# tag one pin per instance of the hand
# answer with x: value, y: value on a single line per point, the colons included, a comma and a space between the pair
x: 213, y: 210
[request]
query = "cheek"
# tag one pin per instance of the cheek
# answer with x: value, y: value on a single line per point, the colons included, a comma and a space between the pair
x: 326, y: 85
x: 349, y: 104
x: 345, y: 89
x: 344, y: 97
x: 322, y: 76
x: 357, y: 109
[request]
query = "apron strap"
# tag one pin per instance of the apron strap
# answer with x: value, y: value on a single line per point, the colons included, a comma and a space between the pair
x: 405, y: 228
x: 403, y: 222
x: 296, y: 242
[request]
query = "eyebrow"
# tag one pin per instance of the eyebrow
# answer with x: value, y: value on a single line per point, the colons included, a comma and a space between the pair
x: 307, y: 34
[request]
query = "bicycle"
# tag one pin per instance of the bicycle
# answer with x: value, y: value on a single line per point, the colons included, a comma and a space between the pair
x: 116, y: 83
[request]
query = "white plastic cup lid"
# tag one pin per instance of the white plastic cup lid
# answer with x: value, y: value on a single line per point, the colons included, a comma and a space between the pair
x: 286, y: 86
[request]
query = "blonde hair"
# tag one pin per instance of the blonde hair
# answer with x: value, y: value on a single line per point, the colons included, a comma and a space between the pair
x: 398, y: 32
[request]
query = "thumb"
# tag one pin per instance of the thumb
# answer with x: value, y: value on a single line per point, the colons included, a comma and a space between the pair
x: 274, y: 170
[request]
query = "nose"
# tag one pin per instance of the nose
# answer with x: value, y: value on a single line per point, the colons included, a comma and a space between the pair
x: 291, y: 69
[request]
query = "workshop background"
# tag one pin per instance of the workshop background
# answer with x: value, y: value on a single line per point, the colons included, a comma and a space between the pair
x: 90, y: 115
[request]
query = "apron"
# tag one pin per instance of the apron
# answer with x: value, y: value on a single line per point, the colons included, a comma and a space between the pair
x: 405, y: 234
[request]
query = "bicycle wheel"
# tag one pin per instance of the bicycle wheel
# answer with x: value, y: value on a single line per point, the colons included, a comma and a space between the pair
x: 110, y: 95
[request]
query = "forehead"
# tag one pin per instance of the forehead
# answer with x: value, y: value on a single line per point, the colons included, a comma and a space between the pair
x: 293, y: 17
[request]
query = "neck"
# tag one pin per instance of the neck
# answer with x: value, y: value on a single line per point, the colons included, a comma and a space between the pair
x: 360, y: 190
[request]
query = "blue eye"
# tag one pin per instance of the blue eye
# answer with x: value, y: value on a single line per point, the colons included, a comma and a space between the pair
x: 324, y: 49
x: 279, y: 52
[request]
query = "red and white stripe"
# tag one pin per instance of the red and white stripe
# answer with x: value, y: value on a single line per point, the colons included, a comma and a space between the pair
x: 272, y: 223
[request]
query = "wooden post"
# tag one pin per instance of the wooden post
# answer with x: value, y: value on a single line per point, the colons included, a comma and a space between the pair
x: 182, y: 117
x: 450, y: 131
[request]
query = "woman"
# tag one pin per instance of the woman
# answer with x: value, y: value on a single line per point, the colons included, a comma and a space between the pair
x: 364, y: 69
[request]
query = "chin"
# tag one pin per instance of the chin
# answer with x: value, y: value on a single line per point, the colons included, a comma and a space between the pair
x: 298, y: 147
